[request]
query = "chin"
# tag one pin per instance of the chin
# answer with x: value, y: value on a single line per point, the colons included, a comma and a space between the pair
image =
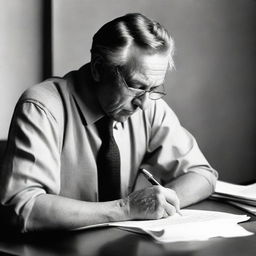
x: 121, y: 116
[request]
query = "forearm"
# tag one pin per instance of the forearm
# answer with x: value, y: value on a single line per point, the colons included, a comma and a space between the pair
x: 191, y: 188
x: 55, y: 212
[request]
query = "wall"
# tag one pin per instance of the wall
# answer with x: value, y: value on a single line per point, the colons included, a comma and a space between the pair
x: 20, y: 53
x: 212, y: 89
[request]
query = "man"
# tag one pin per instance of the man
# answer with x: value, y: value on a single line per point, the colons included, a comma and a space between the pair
x: 76, y: 144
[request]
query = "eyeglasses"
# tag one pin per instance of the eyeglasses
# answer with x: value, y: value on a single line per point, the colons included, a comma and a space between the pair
x: 155, y: 93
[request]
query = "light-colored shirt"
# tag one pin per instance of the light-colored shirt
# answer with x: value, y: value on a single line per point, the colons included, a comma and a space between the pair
x: 53, y: 144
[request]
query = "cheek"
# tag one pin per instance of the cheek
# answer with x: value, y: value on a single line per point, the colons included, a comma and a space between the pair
x: 114, y: 100
x: 119, y: 97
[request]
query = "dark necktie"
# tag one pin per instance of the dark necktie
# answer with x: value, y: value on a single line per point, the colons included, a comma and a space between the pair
x: 108, y: 162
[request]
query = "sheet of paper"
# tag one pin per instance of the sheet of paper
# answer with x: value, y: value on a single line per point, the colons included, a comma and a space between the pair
x: 192, y: 225
x: 200, y: 231
x: 228, y: 188
x: 233, y: 198
x: 248, y: 191
x: 188, y: 217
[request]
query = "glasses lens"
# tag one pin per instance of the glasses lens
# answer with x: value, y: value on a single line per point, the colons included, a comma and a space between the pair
x: 157, y: 93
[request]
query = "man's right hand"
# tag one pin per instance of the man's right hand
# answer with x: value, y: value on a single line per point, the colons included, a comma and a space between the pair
x: 153, y: 202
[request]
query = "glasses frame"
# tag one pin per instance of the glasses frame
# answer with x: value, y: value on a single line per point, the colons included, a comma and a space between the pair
x: 153, y: 93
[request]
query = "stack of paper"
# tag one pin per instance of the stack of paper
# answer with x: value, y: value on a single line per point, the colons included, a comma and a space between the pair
x: 192, y: 225
x: 248, y: 208
x: 239, y: 195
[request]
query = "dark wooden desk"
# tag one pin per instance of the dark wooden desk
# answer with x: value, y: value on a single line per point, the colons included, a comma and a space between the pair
x: 112, y: 241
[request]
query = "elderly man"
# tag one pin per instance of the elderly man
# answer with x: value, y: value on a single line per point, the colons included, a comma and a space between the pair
x: 76, y: 144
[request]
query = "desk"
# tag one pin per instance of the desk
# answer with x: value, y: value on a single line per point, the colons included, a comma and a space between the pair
x: 115, y: 242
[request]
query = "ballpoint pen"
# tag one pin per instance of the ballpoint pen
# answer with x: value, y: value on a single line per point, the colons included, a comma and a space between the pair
x: 150, y: 177
x: 153, y: 181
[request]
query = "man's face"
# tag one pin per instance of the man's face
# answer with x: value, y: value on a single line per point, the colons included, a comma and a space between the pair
x: 142, y: 71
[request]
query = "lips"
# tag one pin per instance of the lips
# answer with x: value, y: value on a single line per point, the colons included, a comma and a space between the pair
x: 123, y: 112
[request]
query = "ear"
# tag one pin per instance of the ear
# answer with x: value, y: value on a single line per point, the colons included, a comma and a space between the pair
x: 96, y: 67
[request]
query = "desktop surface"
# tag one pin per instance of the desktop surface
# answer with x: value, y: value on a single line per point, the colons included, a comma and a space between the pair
x: 114, y: 241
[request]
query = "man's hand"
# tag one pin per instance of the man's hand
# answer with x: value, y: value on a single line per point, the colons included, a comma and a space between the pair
x: 153, y: 202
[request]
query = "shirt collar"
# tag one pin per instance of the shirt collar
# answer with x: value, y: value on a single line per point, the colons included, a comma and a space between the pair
x: 81, y: 87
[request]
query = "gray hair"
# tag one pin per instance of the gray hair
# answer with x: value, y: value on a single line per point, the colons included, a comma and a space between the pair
x: 114, y: 39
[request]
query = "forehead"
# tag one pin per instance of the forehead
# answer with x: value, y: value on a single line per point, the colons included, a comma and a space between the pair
x: 147, y: 67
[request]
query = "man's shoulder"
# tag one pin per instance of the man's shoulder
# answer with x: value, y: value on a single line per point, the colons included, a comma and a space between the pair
x: 48, y: 90
x: 49, y: 94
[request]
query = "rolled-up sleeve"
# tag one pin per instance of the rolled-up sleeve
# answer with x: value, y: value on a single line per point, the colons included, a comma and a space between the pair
x: 172, y: 150
x: 32, y: 162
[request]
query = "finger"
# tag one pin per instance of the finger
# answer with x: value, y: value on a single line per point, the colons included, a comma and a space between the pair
x: 169, y: 209
x: 171, y: 198
x: 165, y: 214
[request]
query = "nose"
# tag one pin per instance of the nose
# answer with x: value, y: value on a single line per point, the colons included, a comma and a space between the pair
x: 142, y: 101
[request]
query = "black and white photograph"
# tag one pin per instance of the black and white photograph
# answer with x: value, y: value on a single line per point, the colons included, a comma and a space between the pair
x: 127, y: 127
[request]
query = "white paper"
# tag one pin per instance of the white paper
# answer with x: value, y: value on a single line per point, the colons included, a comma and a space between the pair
x: 192, y: 225
x: 246, y: 192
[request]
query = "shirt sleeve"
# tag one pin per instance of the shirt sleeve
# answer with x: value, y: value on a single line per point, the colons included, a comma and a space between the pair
x: 32, y: 163
x: 172, y: 150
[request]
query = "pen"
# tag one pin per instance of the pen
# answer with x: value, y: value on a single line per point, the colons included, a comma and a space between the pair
x: 153, y: 181
x: 150, y: 177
